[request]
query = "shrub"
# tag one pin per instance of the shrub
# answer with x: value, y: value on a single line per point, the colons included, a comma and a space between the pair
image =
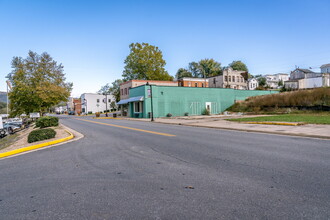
x: 169, y: 115
x: 90, y: 113
x: 41, y: 134
x: 186, y: 114
x: 97, y: 114
x: 205, y: 112
x: 47, y: 121
x: 309, y: 99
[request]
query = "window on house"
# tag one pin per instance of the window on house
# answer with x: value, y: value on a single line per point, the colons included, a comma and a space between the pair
x: 202, y: 84
x: 233, y: 78
x: 125, y: 91
x: 98, y: 100
x: 129, y: 89
x: 189, y: 84
x: 229, y: 78
x: 196, y: 84
x: 121, y: 92
x: 242, y: 79
x: 109, y: 100
x: 137, y: 107
x: 214, y: 81
x: 226, y: 78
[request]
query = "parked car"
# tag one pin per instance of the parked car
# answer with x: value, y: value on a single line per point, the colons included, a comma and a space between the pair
x: 10, y: 128
x: 71, y: 113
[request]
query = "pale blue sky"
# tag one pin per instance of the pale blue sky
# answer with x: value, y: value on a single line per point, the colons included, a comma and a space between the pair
x: 91, y: 38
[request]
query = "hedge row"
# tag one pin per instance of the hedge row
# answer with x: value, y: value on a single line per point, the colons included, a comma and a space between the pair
x: 41, y: 134
x: 47, y: 121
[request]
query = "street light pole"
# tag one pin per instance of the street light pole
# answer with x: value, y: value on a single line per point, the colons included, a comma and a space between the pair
x: 106, y: 104
x: 152, y: 109
x: 7, y: 101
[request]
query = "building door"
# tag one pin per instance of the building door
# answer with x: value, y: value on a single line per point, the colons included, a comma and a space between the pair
x: 208, y: 106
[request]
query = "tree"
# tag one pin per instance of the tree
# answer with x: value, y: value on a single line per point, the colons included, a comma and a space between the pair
x: 195, y: 69
x: 145, y: 62
x: 207, y: 67
x: 182, y: 72
x: 3, y: 108
x: 239, y: 65
x: 38, y: 83
x: 280, y: 83
x: 113, y: 105
x: 113, y: 89
x: 262, y: 81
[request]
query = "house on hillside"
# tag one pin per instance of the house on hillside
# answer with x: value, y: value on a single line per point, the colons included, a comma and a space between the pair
x: 274, y: 80
x: 325, y: 68
x: 230, y: 78
x: 252, y: 83
x: 304, y: 79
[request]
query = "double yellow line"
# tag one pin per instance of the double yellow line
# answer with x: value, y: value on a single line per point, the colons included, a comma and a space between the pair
x: 134, y: 129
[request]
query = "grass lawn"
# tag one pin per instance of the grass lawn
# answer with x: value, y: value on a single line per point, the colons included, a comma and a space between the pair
x: 322, y: 118
x: 8, y: 140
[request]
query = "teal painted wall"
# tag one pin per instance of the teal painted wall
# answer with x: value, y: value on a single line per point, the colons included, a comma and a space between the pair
x: 138, y: 91
x: 179, y: 100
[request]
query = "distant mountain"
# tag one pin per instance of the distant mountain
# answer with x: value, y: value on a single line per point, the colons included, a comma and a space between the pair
x: 3, y: 97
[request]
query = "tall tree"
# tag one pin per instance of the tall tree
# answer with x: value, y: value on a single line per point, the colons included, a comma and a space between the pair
x: 207, y: 67
x: 113, y: 89
x: 182, y: 72
x: 239, y: 65
x: 145, y: 62
x: 210, y: 67
x: 38, y: 83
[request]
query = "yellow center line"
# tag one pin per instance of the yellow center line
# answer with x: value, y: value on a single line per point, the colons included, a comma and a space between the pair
x: 135, y: 129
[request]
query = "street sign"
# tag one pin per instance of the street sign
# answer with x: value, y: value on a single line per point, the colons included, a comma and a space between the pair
x: 35, y: 115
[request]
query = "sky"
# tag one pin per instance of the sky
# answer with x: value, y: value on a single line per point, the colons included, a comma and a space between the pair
x: 91, y: 38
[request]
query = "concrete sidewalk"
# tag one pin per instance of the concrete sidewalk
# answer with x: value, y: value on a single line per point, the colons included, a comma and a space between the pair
x: 219, y: 122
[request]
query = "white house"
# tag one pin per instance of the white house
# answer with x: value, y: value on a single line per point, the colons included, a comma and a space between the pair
x: 307, y: 79
x: 273, y: 80
x: 252, y: 83
x: 325, y: 68
x: 93, y: 102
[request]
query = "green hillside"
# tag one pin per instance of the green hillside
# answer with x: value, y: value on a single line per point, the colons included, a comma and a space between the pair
x: 313, y: 99
x: 3, y: 97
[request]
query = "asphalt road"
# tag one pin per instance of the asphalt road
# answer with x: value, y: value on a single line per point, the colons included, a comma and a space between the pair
x: 159, y: 171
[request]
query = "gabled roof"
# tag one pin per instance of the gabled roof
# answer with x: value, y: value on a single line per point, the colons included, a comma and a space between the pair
x: 305, y: 70
x: 325, y: 65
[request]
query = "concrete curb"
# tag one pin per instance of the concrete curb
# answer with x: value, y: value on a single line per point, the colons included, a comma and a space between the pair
x: 273, y: 123
x: 250, y: 130
x: 37, y: 146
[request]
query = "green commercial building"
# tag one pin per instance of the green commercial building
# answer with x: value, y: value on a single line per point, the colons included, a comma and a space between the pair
x: 179, y: 101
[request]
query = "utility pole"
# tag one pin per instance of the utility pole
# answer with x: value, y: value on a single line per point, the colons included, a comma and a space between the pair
x: 152, y: 109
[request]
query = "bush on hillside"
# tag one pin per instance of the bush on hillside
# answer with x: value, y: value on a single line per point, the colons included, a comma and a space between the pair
x: 41, y: 134
x: 47, y: 121
x: 293, y: 99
